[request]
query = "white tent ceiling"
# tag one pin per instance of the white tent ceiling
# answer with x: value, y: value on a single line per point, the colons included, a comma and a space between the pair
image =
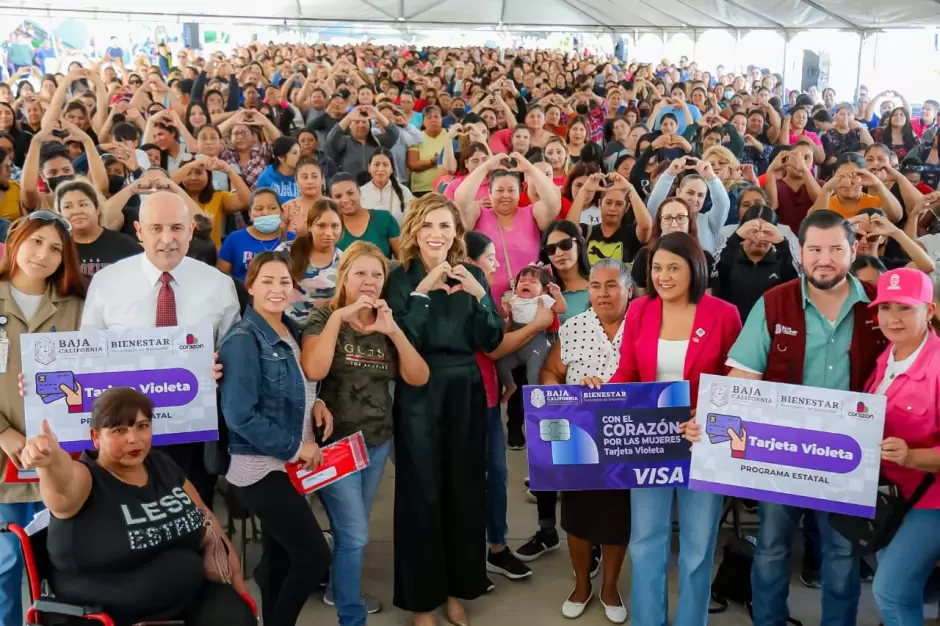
x: 617, y: 15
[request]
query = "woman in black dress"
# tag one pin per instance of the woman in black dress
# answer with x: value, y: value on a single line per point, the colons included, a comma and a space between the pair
x: 448, y: 314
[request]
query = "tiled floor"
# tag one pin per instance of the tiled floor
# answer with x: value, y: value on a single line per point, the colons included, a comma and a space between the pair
x: 537, y: 600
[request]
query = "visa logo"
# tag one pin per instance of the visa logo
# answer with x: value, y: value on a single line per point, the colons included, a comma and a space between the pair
x: 659, y: 475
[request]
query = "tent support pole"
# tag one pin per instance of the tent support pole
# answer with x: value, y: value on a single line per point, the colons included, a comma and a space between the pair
x: 862, y: 36
x: 783, y: 72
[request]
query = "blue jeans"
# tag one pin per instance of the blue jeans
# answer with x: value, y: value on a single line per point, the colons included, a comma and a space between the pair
x: 904, y: 566
x: 11, y: 562
x: 650, y: 539
x: 497, y: 479
x: 770, y: 573
x: 348, y: 503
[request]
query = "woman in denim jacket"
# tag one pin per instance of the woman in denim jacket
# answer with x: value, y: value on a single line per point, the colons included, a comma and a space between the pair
x: 269, y: 408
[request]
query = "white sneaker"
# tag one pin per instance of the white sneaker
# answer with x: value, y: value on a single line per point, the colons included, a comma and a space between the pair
x: 574, y: 610
x: 616, y: 614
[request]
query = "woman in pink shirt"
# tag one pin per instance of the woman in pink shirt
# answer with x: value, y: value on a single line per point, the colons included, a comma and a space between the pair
x: 908, y: 373
x: 472, y: 156
x: 794, y: 129
x: 515, y: 230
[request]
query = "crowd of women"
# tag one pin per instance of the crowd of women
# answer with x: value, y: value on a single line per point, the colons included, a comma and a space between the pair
x: 411, y: 236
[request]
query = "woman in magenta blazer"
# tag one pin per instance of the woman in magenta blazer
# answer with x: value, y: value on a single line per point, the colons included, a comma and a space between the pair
x: 677, y: 332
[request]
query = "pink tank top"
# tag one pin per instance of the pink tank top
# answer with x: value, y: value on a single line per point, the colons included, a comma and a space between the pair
x: 523, y: 241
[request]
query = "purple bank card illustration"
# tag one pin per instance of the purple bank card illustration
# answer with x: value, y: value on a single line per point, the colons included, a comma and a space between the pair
x: 48, y: 385
x: 717, y: 425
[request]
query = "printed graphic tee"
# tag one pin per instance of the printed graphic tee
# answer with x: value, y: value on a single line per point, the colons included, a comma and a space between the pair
x: 110, y: 247
x: 240, y: 247
x: 135, y: 551
x: 357, y: 388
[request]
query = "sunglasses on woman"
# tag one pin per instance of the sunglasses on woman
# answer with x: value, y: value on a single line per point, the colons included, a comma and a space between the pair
x: 48, y: 217
x: 564, y: 245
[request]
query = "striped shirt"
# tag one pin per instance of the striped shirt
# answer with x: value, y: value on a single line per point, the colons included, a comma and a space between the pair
x: 247, y: 469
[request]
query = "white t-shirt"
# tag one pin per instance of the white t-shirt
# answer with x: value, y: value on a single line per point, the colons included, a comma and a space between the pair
x: 28, y: 303
x: 524, y: 309
x: 670, y: 360
x: 896, y: 368
x: 591, y: 216
x: 386, y: 199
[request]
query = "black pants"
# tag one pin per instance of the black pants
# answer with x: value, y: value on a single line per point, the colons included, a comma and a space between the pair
x: 440, y: 488
x: 191, y: 459
x: 515, y: 416
x: 219, y: 605
x: 215, y: 605
x: 546, y: 502
x: 295, y: 556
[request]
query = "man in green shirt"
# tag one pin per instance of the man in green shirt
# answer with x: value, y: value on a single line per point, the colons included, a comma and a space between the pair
x: 816, y: 351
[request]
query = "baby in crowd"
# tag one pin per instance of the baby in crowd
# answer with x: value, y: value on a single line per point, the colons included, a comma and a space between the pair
x: 530, y: 286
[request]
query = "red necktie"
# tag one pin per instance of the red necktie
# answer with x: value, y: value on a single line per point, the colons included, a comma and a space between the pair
x: 166, y: 302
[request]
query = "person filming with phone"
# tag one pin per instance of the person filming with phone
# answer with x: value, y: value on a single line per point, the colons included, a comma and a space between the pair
x: 351, y: 143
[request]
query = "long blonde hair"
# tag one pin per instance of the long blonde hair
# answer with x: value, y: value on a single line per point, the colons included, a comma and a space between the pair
x: 723, y: 154
x: 355, y: 251
x: 414, y: 221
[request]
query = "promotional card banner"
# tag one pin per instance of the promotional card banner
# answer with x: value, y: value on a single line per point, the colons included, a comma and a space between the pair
x: 790, y: 444
x: 65, y: 372
x: 621, y: 436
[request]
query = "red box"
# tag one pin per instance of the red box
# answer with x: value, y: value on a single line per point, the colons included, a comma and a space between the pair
x: 14, y: 475
x: 346, y: 456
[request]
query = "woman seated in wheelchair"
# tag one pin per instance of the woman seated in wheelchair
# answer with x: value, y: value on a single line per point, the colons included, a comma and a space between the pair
x: 128, y: 532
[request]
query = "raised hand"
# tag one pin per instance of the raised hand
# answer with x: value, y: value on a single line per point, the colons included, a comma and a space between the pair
x: 41, y: 450
x: 384, y: 320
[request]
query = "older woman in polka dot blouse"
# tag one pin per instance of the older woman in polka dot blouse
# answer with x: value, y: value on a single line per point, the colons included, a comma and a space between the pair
x: 588, y: 347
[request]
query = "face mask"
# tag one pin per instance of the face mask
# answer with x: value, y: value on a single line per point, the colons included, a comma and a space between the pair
x: 55, y: 181
x: 458, y: 112
x: 115, y: 183
x: 581, y: 109
x: 267, y: 223
x: 729, y: 94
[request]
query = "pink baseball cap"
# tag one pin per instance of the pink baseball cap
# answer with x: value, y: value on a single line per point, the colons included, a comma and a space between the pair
x: 904, y: 286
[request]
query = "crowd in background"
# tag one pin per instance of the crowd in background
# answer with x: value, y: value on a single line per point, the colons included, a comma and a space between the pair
x: 393, y: 241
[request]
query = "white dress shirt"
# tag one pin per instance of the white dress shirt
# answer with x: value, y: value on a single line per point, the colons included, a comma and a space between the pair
x: 385, y: 199
x: 123, y: 296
